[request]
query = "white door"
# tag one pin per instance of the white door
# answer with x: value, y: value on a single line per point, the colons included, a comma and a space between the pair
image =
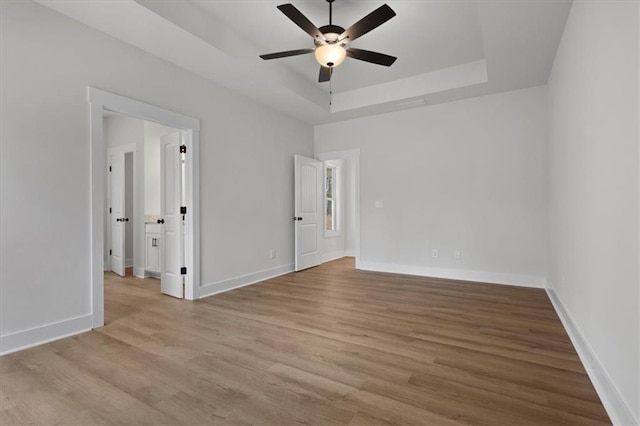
x: 308, y: 212
x: 117, y: 211
x: 171, y: 248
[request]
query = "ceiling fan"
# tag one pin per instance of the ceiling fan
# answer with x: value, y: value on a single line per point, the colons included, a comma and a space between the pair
x: 331, y: 40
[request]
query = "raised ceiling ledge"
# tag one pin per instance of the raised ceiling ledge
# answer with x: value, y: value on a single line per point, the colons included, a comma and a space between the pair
x: 457, y: 77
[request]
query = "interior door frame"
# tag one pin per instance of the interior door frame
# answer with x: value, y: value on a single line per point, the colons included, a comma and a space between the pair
x: 354, y: 156
x: 99, y: 100
x: 124, y: 149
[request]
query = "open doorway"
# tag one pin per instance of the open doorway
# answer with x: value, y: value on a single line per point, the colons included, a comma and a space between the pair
x: 341, y: 201
x: 326, y: 208
x: 144, y: 227
x: 178, y: 201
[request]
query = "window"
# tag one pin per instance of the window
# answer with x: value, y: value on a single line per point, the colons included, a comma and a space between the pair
x: 331, y: 219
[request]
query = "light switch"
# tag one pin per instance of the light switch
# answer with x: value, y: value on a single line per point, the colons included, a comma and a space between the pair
x: 378, y: 204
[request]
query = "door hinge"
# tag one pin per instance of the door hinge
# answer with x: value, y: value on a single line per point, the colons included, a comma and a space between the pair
x: 183, y: 149
x: 110, y: 253
x: 109, y: 209
x: 183, y: 270
x: 109, y: 168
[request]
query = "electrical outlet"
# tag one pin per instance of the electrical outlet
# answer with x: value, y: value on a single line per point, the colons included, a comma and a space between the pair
x: 456, y: 254
x: 272, y: 253
x: 378, y: 204
x: 435, y: 253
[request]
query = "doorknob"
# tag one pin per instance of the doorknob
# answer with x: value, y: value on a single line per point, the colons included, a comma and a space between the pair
x: 160, y: 220
x: 297, y: 218
x: 118, y: 219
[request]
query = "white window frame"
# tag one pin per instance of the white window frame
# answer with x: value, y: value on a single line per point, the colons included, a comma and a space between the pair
x: 337, y: 231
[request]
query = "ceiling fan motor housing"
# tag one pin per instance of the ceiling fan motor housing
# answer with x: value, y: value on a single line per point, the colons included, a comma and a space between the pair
x: 331, y: 34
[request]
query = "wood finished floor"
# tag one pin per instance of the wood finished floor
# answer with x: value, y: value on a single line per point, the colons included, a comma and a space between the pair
x: 330, y: 345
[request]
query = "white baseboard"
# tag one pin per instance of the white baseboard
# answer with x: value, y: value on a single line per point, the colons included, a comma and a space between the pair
x: 328, y: 257
x: 244, y: 280
x: 25, y: 339
x: 456, y: 274
x: 619, y: 412
x: 140, y: 272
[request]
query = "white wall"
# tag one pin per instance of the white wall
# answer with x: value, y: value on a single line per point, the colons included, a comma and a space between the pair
x: 121, y: 130
x: 152, y: 134
x: 246, y: 163
x: 467, y: 175
x: 593, y: 161
x: 350, y: 219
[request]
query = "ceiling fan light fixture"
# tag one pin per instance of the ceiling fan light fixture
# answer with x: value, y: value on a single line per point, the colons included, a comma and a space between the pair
x: 330, y: 40
x: 330, y: 55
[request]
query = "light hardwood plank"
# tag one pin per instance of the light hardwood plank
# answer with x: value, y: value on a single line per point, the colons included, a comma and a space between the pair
x: 329, y: 345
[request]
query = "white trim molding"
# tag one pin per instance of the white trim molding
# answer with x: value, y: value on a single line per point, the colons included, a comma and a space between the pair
x: 518, y: 280
x: 25, y: 339
x: 638, y: 122
x: 619, y: 412
x: 244, y: 280
x: 139, y: 272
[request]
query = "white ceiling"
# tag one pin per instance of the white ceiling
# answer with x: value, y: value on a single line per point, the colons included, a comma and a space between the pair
x: 447, y: 50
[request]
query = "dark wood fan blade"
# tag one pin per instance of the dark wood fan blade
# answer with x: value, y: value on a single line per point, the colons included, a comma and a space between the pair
x: 300, y: 20
x: 368, y: 23
x: 369, y: 56
x: 325, y: 74
x: 286, y: 53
